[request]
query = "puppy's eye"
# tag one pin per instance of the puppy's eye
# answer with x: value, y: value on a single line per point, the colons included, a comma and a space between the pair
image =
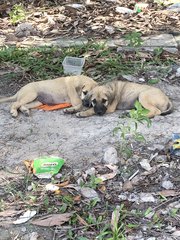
x: 104, y: 100
x: 94, y: 101
x: 85, y: 92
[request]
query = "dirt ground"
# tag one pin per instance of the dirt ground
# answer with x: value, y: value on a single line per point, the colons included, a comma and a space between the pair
x: 80, y: 142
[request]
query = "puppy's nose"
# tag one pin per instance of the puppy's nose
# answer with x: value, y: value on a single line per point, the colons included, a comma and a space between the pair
x: 100, y: 113
x: 85, y: 102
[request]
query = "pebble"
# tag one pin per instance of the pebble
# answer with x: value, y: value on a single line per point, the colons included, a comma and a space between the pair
x: 147, y: 197
x: 145, y: 165
x: 89, y: 193
x: 167, y: 184
x: 110, y: 156
x: 178, y: 72
x: 124, y: 10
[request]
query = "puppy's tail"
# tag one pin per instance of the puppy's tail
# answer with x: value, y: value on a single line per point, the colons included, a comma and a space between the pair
x: 8, y: 99
x: 169, y: 109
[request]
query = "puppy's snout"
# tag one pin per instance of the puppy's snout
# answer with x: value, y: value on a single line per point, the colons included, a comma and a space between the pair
x: 100, y: 109
x: 85, y: 102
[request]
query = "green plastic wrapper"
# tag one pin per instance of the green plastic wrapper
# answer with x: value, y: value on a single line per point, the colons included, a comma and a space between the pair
x: 46, y: 167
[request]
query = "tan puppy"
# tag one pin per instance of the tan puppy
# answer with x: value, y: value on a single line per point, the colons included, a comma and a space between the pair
x: 122, y: 95
x: 70, y: 89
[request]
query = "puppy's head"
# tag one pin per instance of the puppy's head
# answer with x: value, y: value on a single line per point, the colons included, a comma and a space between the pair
x: 86, y: 89
x: 99, y: 98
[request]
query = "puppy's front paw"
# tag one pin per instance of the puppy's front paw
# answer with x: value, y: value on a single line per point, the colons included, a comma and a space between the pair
x: 69, y: 111
x: 80, y: 115
x: 14, y: 113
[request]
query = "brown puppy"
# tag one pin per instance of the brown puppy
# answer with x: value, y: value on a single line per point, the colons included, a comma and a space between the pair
x: 122, y: 95
x: 70, y: 89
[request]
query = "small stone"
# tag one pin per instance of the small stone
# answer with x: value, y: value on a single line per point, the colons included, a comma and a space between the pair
x: 109, y: 29
x: 161, y: 158
x: 29, y: 188
x: 110, y: 156
x: 122, y: 197
x: 141, y: 80
x: 76, y: 5
x: 23, y: 229
x: 123, y: 10
x: 167, y: 184
x: 151, y: 238
x: 147, y: 197
x: 89, y: 193
x: 25, y: 29
x: 145, y: 165
x: 178, y: 72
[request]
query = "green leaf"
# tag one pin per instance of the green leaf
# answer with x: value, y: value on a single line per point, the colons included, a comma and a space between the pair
x: 153, y: 81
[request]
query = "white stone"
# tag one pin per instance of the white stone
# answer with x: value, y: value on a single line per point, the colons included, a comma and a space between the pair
x: 178, y: 72
x: 123, y: 10
x: 110, y: 156
x: 145, y: 165
x: 147, y: 197
x: 89, y: 193
x: 167, y: 184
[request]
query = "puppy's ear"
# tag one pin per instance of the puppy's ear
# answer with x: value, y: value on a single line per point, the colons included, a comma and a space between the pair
x: 110, y: 95
x: 89, y: 99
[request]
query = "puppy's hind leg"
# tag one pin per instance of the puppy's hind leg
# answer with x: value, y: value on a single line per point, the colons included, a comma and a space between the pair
x: 23, y: 100
x: 146, y: 103
x: 25, y: 108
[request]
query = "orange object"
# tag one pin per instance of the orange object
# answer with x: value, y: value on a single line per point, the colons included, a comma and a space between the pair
x: 54, y: 107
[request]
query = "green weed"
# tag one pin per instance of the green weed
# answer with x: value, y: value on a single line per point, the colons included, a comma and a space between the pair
x: 128, y: 131
x: 134, y: 39
x: 17, y: 13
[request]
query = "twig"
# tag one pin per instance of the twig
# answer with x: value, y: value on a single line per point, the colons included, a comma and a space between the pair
x: 166, y: 202
x: 134, y: 174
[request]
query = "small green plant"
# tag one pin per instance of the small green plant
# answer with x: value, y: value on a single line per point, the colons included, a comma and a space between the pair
x: 17, y: 14
x: 128, y: 131
x: 153, y: 81
x: 134, y: 39
x: 115, y: 231
x: 93, y: 182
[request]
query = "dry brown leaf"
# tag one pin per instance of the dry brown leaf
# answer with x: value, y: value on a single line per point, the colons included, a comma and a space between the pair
x: 102, y: 188
x: 63, y: 184
x: 81, y: 220
x: 10, y: 213
x: 115, y: 218
x: 29, y: 165
x: 52, y: 220
x: 127, y: 186
x: 77, y: 198
x: 169, y: 193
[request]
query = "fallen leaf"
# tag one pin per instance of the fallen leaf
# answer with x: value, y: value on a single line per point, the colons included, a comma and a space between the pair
x: 25, y: 217
x: 107, y: 176
x: 115, y: 218
x: 102, y: 188
x: 81, y: 220
x: 10, y: 213
x: 127, y: 186
x: 29, y: 165
x: 52, y: 220
x: 77, y: 198
x: 63, y: 184
x: 169, y: 193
